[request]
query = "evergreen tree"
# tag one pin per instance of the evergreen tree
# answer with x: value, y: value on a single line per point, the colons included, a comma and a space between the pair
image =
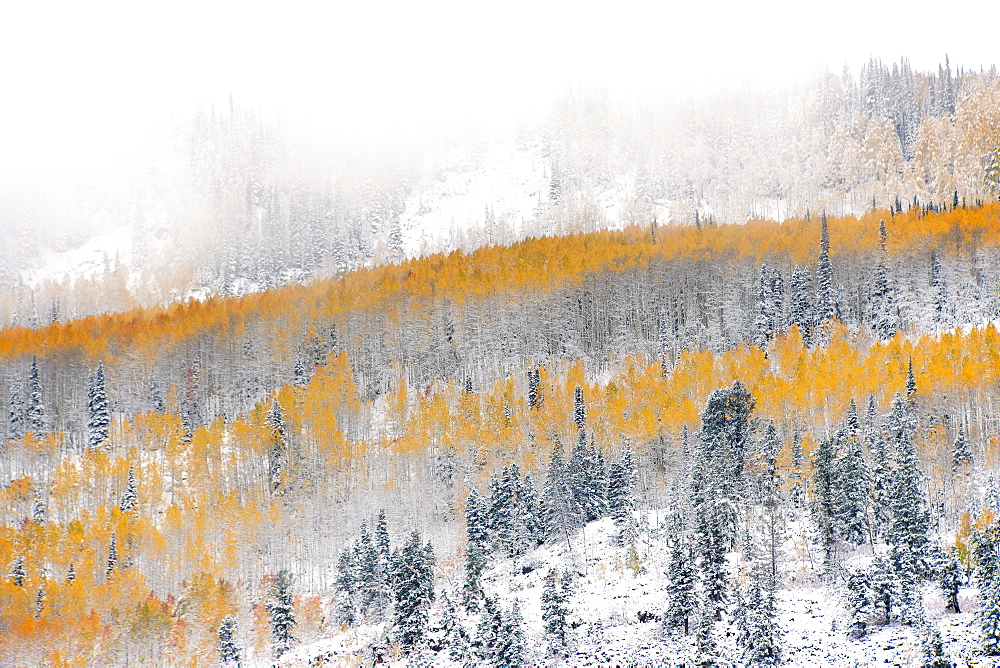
x: 940, y: 290
x: 586, y: 477
x: 18, y: 409
x: 859, y: 603
x: 962, y: 452
x: 453, y: 636
x: 826, y: 302
x: 38, y: 510
x: 282, y: 614
x: 825, y: 465
x: 17, y: 573
x: 345, y: 589
x: 98, y: 410
x: 763, y: 326
x: 533, y: 519
x: 621, y: 502
x: 35, y: 413
x: 933, y: 648
x: 229, y: 652
x: 558, y: 507
x: 555, y: 613
x: 910, y: 521
x: 851, y: 496
x: 71, y: 573
x: 950, y: 580
x: 278, y: 455
x: 476, y: 530
x: 883, y: 314
x: 112, y: 556
x: 800, y: 308
x: 413, y: 587
x: 488, y: 632
x: 511, y: 648
x: 579, y: 408
x: 130, y: 498
x: 911, y: 381
x: 472, y: 590
x: 759, y: 636
x: 682, y: 600
x: 987, y: 575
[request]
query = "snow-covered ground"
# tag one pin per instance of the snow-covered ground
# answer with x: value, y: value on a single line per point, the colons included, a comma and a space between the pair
x: 105, y: 252
x: 616, y: 605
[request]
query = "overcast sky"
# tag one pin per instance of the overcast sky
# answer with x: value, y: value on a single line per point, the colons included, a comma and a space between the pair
x: 81, y: 80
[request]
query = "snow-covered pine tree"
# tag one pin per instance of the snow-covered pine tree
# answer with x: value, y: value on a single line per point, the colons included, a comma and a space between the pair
x: 17, y: 572
x: 910, y: 520
x: 987, y: 575
x: 682, y: 598
x: 532, y: 516
x: 488, y: 632
x: 933, y: 648
x: 229, y: 651
x: 859, y: 603
x: 962, y: 458
x: 763, y: 325
x: 130, y: 499
x: 800, y: 308
x: 472, y: 589
x: 71, y: 573
x: 760, y: 637
x: 18, y: 409
x: 534, y: 377
x: 826, y: 299
x: 579, y: 409
x: 853, y: 482
x: 949, y: 573
x: 278, y: 453
x: 35, y: 417
x: 587, y: 482
x: 345, y: 589
x: 883, y: 315
x: 558, y: 507
x: 621, y: 501
x: 281, y: 612
x: 511, y: 647
x: 413, y: 589
x: 911, y: 380
x: 555, y: 614
x: 476, y: 529
x: 825, y: 465
x: 940, y: 291
x: 453, y: 636
x: 112, y: 557
x: 98, y: 409
x: 38, y: 510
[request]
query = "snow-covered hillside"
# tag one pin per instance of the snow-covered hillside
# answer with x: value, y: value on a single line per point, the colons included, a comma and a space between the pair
x: 618, y: 602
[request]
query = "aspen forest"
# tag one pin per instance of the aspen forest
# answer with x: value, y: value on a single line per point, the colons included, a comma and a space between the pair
x: 749, y: 415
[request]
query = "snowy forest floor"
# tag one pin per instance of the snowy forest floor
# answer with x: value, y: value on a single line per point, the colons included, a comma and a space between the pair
x: 617, y: 604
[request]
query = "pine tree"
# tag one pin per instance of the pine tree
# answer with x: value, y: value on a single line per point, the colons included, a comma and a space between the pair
x: 882, y: 311
x: 511, y: 648
x: 763, y: 326
x: 851, y: 496
x: 17, y: 573
x: 533, y: 519
x: 682, y: 599
x: 98, y: 410
x: 910, y: 520
x: 933, y: 648
x: 940, y: 290
x: 282, y: 613
x: 454, y: 637
x: 38, y: 510
x: 413, y: 588
x: 488, y: 632
x: 585, y: 477
x: 759, y: 637
x: 35, y: 413
x: 621, y: 502
x: 826, y: 303
x: 859, y: 603
x: 18, y: 409
x: 579, y: 409
x: 130, y: 498
x: 987, y: 575
x: 472, y: 589
x: 346, y: 589
x: 800, y: 308
x: 278, y: 454
x: 71, y: 573
x: 558, y: 507
x: 555, y: 613
x: 229, y: 652
x: 962, y: 458
x: 911, y: 381
x: 112, y: 557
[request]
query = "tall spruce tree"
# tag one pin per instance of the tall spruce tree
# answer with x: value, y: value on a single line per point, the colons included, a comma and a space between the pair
x: 826, y: 299
x: 130, y: 498
x: 18, y: 409
x: 98, y: 410
x: 682, y: 597
x: 555, y: 612
x: 281, y: 612
x: 17, y: 573
x: 229, y: 651
x: 413, y: 589
x: 558, y: 507
x: 35, y: 416
x: 759, y: 636
x: 962, y: 457
x: 278, y: 455
x: 987, y: 575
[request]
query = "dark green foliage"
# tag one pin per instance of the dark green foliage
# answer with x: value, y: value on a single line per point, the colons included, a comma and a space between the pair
x: 859, y: 602
x: 413, y: 588
x: 560, y: 512
x: 587, y: 482
x: 280, y: 608
x: 579, y: 409
x: 682, y: 599
x: 910, y: 521
x: 229, y: 652
x: 18, y: 409
x: 987, y: 574
x: 826, y: 299
x: 345, y: 587
x: 800, y: 308
x: 130, y: 499
x: 35, y: 417
x: 17, y: 573
x: 962, y: 458
x: 758, y: 634
x: 278, y: 454
x: 933, y: 649
x: 555, y: 612
x: 472, y: 590
x: 98, y: 410
x: 621, y: 502
x: 112, y: 556
x: 476, y: 530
